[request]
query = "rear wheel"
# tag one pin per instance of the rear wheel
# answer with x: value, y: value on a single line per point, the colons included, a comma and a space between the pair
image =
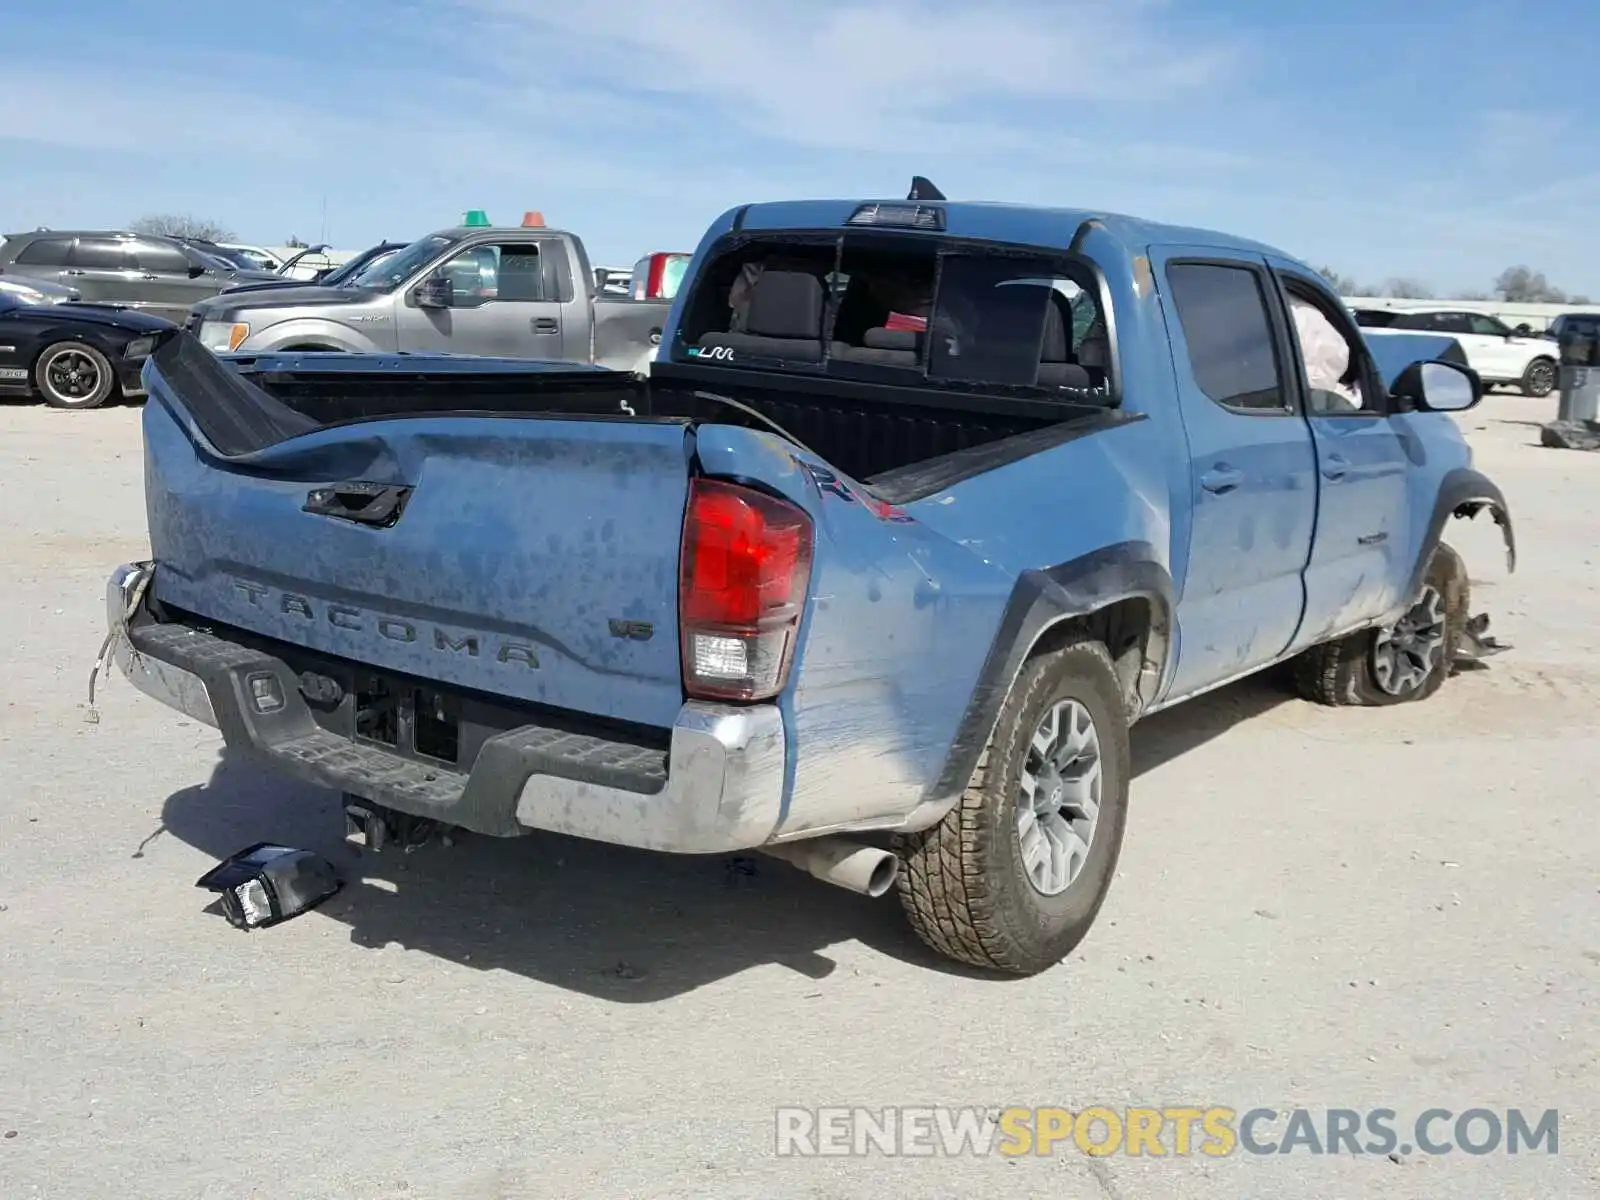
x: 1400, y: 663
x: 1014, y: 876
x: 74, y: 375
x: 1539, y: 380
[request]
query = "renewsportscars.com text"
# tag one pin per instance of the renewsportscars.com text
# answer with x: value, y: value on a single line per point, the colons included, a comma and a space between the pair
x: 1177, y: 1131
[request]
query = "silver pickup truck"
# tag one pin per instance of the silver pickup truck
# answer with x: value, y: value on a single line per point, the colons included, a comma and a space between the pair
x: 510, y: 293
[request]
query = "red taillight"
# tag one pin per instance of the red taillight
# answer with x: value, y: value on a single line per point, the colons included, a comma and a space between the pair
x: 741, y: 589
x: 658, y: 271
x: 647, y: 276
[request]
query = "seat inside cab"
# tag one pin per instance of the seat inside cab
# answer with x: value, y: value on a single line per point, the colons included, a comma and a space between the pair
x: 890, y: 315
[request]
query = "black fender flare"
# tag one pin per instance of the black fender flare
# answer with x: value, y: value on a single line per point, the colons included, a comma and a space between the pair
x: 1042, y: 599
x: 1463, y: 492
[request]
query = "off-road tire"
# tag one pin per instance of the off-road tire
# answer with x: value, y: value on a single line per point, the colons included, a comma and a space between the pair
x: 962, y: 883
x: 58, y: 353
x: 1540, y: 378
x: 1340, y: 673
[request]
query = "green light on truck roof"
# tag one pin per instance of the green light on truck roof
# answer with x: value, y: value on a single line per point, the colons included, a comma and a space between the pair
x: 476, y: 218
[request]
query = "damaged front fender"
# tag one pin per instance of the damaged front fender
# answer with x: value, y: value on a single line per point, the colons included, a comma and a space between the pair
x: 1463, y: 492
x: 1502, y: 517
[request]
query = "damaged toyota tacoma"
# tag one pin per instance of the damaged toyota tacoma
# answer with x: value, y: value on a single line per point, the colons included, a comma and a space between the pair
x: 922, y: 506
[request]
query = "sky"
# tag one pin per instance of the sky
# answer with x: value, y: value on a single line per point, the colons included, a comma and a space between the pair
x: 1441, y: 140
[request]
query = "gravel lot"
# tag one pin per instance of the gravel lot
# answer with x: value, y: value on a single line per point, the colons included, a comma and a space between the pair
x: 1316, y: 908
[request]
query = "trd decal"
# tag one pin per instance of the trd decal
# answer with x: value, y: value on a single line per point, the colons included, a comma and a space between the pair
x: 831, y: 485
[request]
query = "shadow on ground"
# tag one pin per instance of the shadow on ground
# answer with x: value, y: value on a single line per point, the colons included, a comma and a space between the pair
x: 618, y: 924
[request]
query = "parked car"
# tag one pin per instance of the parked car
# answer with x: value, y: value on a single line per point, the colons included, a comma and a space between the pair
x: 1498, y: 353
x: 158, y: 275
x: 881, y: 603
x: 37, y: 291
x: 612, y: 280
x: 658, y: 276
x: 73, y: 355
x: 336, y: 277
x: 523, y: 292
x: 260, y: 257
x: 237, y: 260
x: 1570, y: 324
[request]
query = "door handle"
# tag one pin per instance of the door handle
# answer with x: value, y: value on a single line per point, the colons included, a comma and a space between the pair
x: 546, y: 325
x: 149, y: 275
x: 1335, y: 466
x: 1221, y: 479
x: 74, y: 271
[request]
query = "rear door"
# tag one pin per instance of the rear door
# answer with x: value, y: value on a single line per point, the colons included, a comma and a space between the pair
x: 1501, y: 347
x: 1253, y: 471
x: 505, y: 302
x: 104, y: 271
x: 1355, y: 568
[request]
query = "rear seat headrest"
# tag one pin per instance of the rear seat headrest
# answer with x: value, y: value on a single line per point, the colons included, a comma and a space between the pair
x: 1056, y: 345
x: 786, y: 304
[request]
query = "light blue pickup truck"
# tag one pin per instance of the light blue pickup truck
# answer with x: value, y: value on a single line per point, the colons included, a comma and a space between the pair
x: 878, y: 597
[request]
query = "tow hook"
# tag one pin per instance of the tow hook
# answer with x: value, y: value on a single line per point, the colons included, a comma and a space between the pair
x: 374, y: 828
x: 1476, y: 644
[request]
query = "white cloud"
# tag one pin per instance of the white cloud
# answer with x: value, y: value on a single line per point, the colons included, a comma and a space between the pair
x: 879, y: 75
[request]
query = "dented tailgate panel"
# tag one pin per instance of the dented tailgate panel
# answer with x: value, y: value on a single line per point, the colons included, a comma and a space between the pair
x: 534, y: 559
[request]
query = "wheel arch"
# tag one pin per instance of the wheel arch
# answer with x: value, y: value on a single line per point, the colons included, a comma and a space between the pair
x: 1122, y: 593
x: 309, y: 331
x: 1463, y: 493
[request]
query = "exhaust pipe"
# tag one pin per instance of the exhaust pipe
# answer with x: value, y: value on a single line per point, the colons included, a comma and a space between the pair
x: 846, y: 864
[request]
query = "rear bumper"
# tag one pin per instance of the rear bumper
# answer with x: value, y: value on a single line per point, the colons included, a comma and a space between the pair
x: 716, y: 787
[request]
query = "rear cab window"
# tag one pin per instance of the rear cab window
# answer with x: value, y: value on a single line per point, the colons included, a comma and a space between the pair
x: 906, y: 309
x: 1232, y: 351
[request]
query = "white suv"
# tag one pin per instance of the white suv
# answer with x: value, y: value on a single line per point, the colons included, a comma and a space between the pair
x: 1498, y: 353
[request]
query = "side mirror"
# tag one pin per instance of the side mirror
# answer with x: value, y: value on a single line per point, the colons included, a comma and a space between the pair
x: 434, y: 292
x: 196, y: 270
x: 1438, y: 387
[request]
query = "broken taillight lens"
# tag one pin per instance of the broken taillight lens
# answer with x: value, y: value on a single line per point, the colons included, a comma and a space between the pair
x: 743, y: 576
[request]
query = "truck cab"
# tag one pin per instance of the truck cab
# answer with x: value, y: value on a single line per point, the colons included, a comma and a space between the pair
x: 507, y: 292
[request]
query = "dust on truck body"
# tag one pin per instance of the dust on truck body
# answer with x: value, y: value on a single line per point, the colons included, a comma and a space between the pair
x: 923, y: 505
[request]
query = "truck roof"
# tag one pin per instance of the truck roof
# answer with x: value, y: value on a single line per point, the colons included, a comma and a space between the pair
x: 1019, y: 223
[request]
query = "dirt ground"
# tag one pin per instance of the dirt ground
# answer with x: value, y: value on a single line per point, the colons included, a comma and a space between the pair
x: 1352, y: 909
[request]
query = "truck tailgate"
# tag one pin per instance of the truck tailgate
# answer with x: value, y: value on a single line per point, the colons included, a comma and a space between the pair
x: 528, y: 557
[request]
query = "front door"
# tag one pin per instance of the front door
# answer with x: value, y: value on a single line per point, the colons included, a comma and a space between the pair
x: 1253, y: 473
x: 171, y: 281
x: 1357, y: 558
x: 504, y: 303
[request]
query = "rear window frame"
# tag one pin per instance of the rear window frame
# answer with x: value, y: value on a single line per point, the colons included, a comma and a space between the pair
x: 1063, y: 263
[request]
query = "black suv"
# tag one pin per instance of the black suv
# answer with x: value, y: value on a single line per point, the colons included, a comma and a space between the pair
x: 158, y: 275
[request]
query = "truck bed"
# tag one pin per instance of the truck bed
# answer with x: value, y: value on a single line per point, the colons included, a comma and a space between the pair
x: 879, y: 435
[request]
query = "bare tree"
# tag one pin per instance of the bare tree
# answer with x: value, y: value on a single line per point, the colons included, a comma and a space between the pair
x: 1345, y: 285
x: 1519, y: 285
x: 1407, y: 289
x: 182, y: 225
